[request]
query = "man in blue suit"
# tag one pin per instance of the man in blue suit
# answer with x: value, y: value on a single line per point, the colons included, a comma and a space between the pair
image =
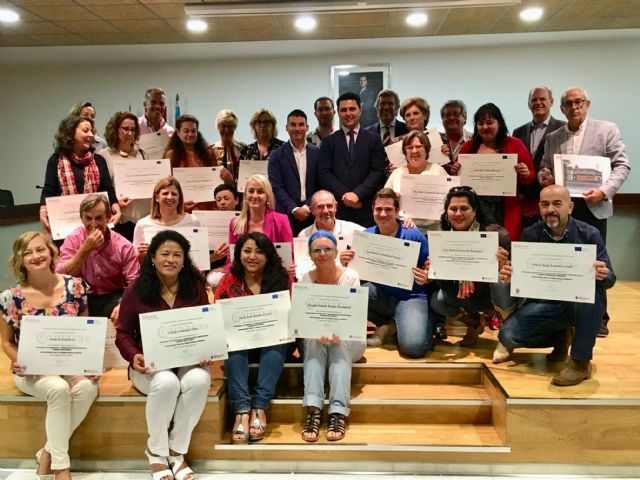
x: 293, y: 173
x: 352, y: 163
x: 387, y: 126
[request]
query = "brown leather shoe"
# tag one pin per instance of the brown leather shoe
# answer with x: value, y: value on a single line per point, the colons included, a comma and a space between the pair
x: 575, y: 372
x: 475, y: 327
x: 560, y: 352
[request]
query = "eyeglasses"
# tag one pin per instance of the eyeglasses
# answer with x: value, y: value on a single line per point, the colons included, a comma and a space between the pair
x: 452, y: 115
x: 574, y: 103
x: 463, y: 188
x: 264, y: 122
x: 127, y: 130
x: 318, y: 251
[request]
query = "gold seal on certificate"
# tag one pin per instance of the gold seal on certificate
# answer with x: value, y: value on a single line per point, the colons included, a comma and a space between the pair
x: 136, y: 178
x: 62, y: 345
x: 463, y: 256
x: 489, y: 174
x: 553, y: 271
x: 182, y: 336
x: 327, y: 310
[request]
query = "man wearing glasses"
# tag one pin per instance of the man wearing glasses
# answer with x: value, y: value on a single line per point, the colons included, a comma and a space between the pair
x: 586, y: 136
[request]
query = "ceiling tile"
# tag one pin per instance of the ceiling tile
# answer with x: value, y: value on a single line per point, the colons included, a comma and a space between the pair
x: 170, y: 10
x: 18, y: 41
x: 44, y: 3
x: 258, y: 35
x: 99, y: 26
x: 166, y: 37
x: 361, y: 20
x: 251, y: 23
x: 142, y: 26
x: 106, y: 2
x: 37, y: 28
x: 25, y: 15
x: 398, y: 19
x: 317, y: 34
x: 62, y: 39
x: 63, y: 13
x: 323, y: 21
x: 107, y: 38
x: 363, y: 32
x: 119, y: 12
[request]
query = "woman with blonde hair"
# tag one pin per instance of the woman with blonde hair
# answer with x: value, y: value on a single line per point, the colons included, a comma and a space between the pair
x: 263, y: 123
x: 227, y: 151
x: 41, y: 291
x: 416, y: 112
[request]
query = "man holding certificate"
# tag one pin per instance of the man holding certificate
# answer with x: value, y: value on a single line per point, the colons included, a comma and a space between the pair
x: 409, y: 308
x: 547, y: 323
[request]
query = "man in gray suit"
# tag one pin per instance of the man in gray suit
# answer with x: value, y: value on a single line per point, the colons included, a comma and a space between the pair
x: 586, y: 136
x: 533, y: 134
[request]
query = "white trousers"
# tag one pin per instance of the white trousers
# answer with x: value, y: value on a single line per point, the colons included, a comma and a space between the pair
x: 68, y: 401
x: 179, y: 397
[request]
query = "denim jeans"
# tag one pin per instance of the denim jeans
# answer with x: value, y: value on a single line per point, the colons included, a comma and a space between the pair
x: 338, y: 358
x: 412, y: 319
x: 541, y: 323
x: 237, y: 369
x: 447, y: 304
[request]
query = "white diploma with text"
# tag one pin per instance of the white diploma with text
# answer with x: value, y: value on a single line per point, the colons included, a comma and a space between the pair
x: 489, y: 174
x: 580, y: 173
x: 154, y: 144
x: 257, y: 321
x: 385, y: 260
x: 112, y: 357
x: 327, y: 310
x: 422, y: 196
x: 182, y: 336
x: 136, y: 178
x: 62, y: 345
x: 463, y: 256
x: 553, y: 271
x: 198, y: 238
x: 64, y: 213
x: 217, y: 223
x: 248, y: 168
x: 198, y: 183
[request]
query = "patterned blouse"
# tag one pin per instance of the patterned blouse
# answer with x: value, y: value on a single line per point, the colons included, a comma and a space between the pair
x: 13, y: 305
x: 253, y: 153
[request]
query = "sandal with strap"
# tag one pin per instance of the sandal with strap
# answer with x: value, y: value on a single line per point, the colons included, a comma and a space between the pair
x: 154, y: 460
x: 239, y: 436
x: 46, y: 476
x: 337, y: 426
x: 314, y: 418
x: 180, y: 473
x: 256, y: 425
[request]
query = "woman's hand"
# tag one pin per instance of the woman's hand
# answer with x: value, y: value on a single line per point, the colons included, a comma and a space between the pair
x: 143, y: 247
x: 138, y: 364
x: 292, y: 271
x: 455, y: 168
x: 206, y: 362
x: 601, y: 270
x: 44, y: 218
x: 446, y: 150
x: 503, y: 257
x: 505, y: 272
x: 334, y: 339
x: 420, y: 275
x: 346, y: 256
x: 124, y: 202
x: 189, y: 205
x: 18, y: 368
x: 522, y: 170
x: 115, y: 213
x: 219, y: 253
x: 407, y: 222
x: 225, y: 175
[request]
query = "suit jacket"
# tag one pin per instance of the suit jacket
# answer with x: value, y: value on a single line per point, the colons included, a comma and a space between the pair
x: 285, y: 177
x: 364, y: 175
x: 602, y: 139
x: 400, y: 128
x: 523, y: 132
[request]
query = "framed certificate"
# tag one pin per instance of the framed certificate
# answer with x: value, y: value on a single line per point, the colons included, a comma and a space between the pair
x: 463, y: 256
x: 182, y: 336
x: 489, y: 174
x: 422, y: 196
x: 217, y: 224
x: 327, y: 310
x: 248, y: 168
x: 198, y: 183
x: 136, y: 178
x: 62, y: 345
x: 580, y: 173
x: 64, y: 213
x: 198, y: 238
x: 257, y: 320
x: 553, y: 271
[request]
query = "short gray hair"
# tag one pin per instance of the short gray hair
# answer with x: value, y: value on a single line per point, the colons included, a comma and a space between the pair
x: 454, y: 103
x: 541, y: 87
x: 321, y: 192
x: 564, y: 94
x: 92, y: 200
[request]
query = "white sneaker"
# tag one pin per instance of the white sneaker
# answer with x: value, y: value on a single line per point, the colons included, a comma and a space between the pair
x: 501, y: 354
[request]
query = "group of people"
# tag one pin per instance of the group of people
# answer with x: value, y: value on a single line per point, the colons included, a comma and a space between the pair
x: 321, y: 186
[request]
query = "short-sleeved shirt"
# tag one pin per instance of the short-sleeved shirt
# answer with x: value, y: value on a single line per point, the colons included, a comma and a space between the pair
x: 72, y: 302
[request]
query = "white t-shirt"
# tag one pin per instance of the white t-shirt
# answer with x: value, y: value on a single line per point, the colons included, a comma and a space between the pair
x: 138, y: 233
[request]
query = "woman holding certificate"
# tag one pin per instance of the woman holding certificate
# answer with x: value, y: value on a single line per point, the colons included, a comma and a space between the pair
x: 227, y: 151
x: 331, y: 353
x: 490, y: 136
x: 464, y: 300
x: 167, y: 210
x: 256, y: 269
x: 168, y: 280
x: 415, y: 146
x: 40, y: 291
x: 74, y: 168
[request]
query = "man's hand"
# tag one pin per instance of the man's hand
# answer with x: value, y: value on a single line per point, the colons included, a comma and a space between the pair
x: 301, y: 213
x: 545, y: 177
x: 352, y: 200
x: 593, y: 196
x: 601, y: 270
x: 93, y: 241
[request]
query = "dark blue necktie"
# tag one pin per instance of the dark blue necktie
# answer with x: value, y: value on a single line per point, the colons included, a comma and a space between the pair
x: 351, y: 143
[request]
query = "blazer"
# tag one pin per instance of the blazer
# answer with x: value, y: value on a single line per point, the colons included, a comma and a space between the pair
x: 364, y: 174
x: 523, y: 132
x: 285, y: 177
x: 400, y: 128
x: 602, y: 139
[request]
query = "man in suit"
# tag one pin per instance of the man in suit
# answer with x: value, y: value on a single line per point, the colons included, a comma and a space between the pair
x: 586, y: 136
x: 352, y: 163
x: 293, y: 173
x: 367, y: 100
x: 387, y: 126
x: 533, y: 134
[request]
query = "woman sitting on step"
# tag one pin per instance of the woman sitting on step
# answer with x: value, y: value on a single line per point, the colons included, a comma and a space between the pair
x: 332, y: 353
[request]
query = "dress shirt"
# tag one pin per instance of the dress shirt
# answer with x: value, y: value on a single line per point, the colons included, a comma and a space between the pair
x: 110, y: 268
x: 537, y: 132
x: 575, y: 139
x: 341, y: 227
x: 146, y: 127
x: 355, y: 130
x: 301, y: 162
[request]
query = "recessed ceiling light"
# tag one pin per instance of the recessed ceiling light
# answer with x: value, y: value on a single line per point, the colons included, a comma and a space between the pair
x: 417, y: 19
x: 305, y: 23
x: 197, y: 25
x: 531, y: 14
x: 8, y: 16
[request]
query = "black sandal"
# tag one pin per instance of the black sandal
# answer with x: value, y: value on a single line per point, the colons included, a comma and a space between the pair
x: 314, y: 418
x: 337, y: 425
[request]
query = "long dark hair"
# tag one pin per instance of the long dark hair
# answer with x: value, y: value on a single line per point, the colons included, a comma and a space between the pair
x: 275, y: 277
x: 483, y: 217
x: 177, y: 149
x: 492, y: 111
x: 148, y: 286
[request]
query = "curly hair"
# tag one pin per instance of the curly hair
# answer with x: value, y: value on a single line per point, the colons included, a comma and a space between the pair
x: 408, y: 138
x: 272, y: 118
x: 489, y: 110
x: 483, y: 217
x: 111, y: 130
x: 275, y: 277
x: 65, y: 136
x: 419, y: 102
x: 148, y: 286
x: 176, y: 151
x: 16, y: 260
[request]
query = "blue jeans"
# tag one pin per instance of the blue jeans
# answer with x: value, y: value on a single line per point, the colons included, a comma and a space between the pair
x: 338, y: 358
x: 237, y: 369
x: 447, y: 304
x: 412, y: 319
x: 540, y: 324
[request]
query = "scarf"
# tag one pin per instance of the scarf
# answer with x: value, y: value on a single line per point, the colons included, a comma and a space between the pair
x: 66, y: 177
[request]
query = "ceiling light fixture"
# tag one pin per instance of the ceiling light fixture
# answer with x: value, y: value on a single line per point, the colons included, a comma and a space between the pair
x: 197, y: 25
x: 8, y: 16
x: 417, y: 19
x: 531, y: 14
x: 306, y: 23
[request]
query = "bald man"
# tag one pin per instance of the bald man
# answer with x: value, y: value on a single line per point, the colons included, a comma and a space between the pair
x: 550, y: 323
